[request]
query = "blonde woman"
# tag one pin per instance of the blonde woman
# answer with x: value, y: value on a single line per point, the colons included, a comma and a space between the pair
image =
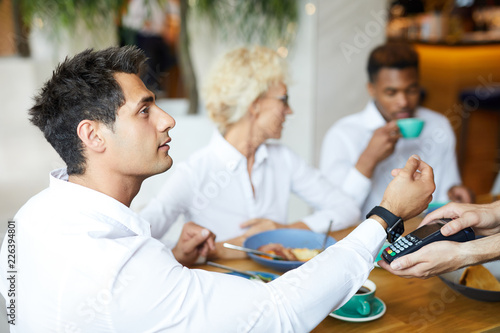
x: 240, y: 184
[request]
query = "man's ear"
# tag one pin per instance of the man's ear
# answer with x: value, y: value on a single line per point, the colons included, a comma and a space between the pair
x: 89, y: 132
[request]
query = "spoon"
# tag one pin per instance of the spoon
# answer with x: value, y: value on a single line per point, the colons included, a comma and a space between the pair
x: 326, y: 236
x: 245, y: 249
x: 247, y: 273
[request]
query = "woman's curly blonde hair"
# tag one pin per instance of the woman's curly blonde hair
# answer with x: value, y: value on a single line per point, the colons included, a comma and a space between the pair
x: 238, y: 79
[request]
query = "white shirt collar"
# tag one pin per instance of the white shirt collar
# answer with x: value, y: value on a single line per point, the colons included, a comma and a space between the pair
x: 372, y: 117
x: 113, y: 210
x: 230, y: 156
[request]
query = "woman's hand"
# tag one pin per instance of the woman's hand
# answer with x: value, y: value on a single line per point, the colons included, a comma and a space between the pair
x: 259, y: 225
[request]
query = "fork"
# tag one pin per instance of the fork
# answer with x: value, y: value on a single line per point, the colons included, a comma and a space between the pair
x: 247, y: 273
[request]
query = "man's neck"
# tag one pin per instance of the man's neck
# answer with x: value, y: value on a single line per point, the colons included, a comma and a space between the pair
x: 123, y: 189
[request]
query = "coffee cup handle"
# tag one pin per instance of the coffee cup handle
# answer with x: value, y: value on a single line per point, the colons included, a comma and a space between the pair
x: 364, y: 308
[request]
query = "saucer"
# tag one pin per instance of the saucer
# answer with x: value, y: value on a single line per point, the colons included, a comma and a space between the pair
x: 378, y: 310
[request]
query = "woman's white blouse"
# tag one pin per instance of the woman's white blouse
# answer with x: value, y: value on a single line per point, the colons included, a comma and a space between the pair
x: 213, y: 189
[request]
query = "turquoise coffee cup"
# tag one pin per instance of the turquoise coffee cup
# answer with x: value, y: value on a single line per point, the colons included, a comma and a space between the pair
x: 360, y: 303
x: 435, y: 205
x: 410, y: 127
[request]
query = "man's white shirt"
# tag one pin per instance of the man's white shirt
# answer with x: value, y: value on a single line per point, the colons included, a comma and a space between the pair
x: 87, y: 263
x: 349, y: 137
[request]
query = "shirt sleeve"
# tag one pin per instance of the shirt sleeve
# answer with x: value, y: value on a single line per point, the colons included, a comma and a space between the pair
x: 171, y: 202
x: 154, y: 293
x: 337, y: 162
x: 328, y: 202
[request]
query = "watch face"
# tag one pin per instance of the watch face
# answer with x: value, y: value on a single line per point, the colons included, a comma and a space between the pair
x: 396, y: 231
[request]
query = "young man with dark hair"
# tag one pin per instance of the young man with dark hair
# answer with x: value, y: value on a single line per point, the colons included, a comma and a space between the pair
x: 87, y: 263
x: 360, y: 150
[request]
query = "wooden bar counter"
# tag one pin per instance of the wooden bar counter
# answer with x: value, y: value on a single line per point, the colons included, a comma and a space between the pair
x: 413, y: 305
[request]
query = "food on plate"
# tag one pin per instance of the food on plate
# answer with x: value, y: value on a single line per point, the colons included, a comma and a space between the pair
x: 292, y: 254
x: 305, y: 254
x: 479, y: 277
x: 279, y: 250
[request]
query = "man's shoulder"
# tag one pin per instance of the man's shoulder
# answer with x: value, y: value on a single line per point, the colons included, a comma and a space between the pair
x: 430, y: 115
x: 435, y: 120
x: 38, y: 203
x: 354, y: 119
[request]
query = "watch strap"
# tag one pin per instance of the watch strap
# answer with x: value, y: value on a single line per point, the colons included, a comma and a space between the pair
x: 395, y: 226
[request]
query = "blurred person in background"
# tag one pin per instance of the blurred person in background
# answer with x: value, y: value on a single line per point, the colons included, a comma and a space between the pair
x: 240, y: 184
x: 360, y: 150
x: 154, y: 27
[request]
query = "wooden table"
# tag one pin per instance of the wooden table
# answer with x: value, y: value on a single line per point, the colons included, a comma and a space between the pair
x: 413, y: 305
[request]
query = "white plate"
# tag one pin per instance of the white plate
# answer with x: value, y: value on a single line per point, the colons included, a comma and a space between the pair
x: 377, y: 312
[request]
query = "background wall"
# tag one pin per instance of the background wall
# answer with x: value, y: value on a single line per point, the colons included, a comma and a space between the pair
x: 346, y: 33
x: 328, y: 81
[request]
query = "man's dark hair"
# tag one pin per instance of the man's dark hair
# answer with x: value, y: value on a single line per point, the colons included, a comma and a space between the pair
x: 83, y: 87
x: 391, y: 55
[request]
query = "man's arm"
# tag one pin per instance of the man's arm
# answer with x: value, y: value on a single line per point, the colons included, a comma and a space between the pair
x: 191, y: 300
x: 350, y: 166
x: 339, y: 153
x: 380, y: 147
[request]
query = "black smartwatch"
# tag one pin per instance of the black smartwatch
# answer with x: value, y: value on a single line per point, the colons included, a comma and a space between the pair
x: 395, y: 226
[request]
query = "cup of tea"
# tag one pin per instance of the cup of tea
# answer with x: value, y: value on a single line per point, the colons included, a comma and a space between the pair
x: 360, y: 303
x: 410, y: 127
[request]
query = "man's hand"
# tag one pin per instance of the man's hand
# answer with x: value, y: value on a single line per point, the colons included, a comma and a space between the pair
x: 484, y: 219
x: 410, y: 192
x: 194, y: 241
x: 380, y: 147
x: 460, y: 193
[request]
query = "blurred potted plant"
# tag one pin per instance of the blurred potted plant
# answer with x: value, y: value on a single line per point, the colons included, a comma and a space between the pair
x: 266, y: 22
x: 58, y: 23
x: 272, y: 23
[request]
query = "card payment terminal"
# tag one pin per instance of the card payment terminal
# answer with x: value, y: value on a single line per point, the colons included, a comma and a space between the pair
x: 422, y: 236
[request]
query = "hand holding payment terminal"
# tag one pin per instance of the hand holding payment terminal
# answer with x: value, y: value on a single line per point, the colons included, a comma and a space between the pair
x: 422, y: 236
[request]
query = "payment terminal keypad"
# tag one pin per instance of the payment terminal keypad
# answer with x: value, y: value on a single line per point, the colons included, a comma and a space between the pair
x: 400, y: 245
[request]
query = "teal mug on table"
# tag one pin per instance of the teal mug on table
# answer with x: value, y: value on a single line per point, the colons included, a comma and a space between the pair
x: 360, y: 303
